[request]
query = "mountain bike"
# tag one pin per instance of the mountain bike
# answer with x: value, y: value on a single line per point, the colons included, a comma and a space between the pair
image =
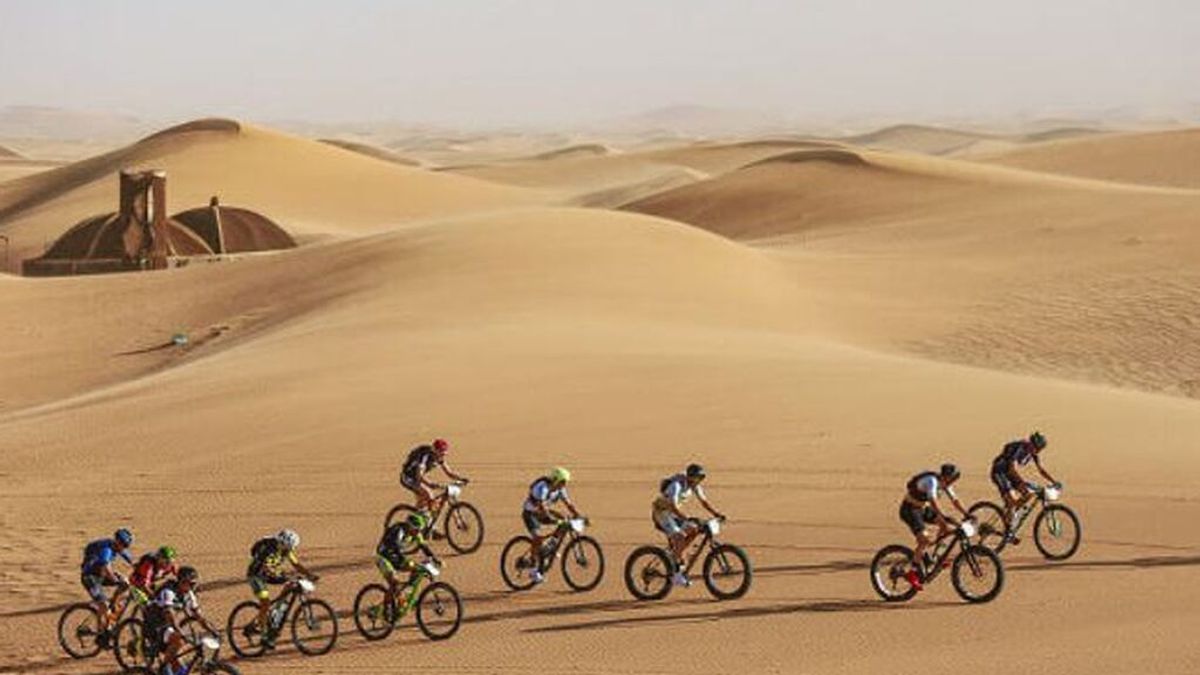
x: 462, y: 527
x: 134, y: 647
x: 377, y: 609
x: 314, y: 625
x: 976, y: 571
x: 582, y: 558
x: 201, y: 655
x: 1056, y: 530
x: 649, y: 570
x: 79, y: 632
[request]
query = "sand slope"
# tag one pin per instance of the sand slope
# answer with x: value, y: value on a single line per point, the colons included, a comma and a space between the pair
x: 1149, y: 158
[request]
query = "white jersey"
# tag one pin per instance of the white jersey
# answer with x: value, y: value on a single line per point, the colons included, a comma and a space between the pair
x: 169, y: 598
x: 930, y: 485
x: 677, y: 490
x: 542, y: 493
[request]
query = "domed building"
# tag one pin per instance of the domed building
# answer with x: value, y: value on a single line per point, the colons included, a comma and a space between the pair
x: 140, y: 237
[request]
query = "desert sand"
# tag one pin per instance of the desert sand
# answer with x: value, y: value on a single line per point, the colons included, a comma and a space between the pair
x: 813, y: 319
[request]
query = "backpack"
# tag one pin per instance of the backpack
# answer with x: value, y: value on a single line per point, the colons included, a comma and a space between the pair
x: 93, y: 549
x: 666, y: 483
x: 262, y: 548
x: 912, y: 486
x: 534, y: 484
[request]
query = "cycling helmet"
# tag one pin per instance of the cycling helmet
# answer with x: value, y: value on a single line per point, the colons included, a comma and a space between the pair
x: 188, y: 573
x: 560, y: 475
x: 289, y: 539
x: 124, y: 537
x: 696, y: 472
x: 1037, y: 440
x: 166, y: 553
x: 950, y: 472
x: 418, y: 521
x: 441, y: 445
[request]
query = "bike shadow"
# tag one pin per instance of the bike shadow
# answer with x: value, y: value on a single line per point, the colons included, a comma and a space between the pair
x: 1145, y: 562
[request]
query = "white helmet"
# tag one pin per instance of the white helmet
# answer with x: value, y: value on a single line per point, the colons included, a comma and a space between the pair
x: 289, y: 539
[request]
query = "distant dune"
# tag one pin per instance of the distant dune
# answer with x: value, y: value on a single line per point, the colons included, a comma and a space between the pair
x: 1168, y: 158
x: 371, y: 151
x: 6, y: 153
x: 582, y: 150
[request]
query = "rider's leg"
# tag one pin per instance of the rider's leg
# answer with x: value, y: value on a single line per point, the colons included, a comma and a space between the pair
x: 171, y: 654
x: 261, y: 593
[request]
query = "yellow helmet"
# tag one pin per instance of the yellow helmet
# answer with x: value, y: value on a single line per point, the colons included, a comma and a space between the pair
x: 560, y: 475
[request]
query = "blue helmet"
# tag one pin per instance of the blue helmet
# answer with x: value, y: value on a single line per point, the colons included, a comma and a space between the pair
x: 124, y: 537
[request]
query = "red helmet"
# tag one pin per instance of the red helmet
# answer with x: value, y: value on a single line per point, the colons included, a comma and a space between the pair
x: 441, y: 445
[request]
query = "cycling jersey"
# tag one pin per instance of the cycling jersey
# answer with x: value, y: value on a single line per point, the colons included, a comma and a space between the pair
x: 420, y: 460
x: 168, y: 599
x: 543, y: 493
x: 147, y: 572
x: 676, y: 490
x: 399, y: 540
x: 924, y: 487
x: 100, y: 554
x: 267, y: 558
x: 1016, y: 453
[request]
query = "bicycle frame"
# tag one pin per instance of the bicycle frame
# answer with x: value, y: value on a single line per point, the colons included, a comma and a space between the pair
x: 424, y: 575
x: 942, y: 554
x: 1037, y: 500
x: 708, y: 540
x: 292, y: 592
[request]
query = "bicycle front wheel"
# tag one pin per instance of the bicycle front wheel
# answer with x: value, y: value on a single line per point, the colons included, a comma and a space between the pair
x: 314, y: 627
x: 374, y: 612
x: 727, y: 572
x: 648, y: 573
x: 133, y: 647
x: 439, y: 611
x: 978, y: 574
x: 1056, y: 532
x: 464, y: 528
x: 583, y: 564
x: 79, y: 631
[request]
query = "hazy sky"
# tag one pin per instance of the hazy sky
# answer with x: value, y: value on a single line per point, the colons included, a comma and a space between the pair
x: 535, y: 61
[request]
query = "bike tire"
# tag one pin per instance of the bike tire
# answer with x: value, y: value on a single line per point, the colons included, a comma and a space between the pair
x: 377, y: 619
x: 220, y: 667
x: 576, y: 551
x: 649, y: 564
x: 985, y: 558
x: 993, y: 526
x: 887, y: 568
x: 242, y: 644
x: 721, y: 555
x: 82, y: 622
x: 440, y: 598
x: 463, y: 527
x: 306, y: 611
x: 133, y: 648
x: 397, y: 513
x: 1056, y: 510
x: 515, y: 576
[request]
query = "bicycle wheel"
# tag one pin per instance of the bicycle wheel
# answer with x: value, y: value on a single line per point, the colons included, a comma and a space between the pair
x: 374, y: 612
x: 993, y: 527
x: 79, y: 631
x: 220, y: 667
x: 314, y: 627
x: 133, y: 647
x: 889, y: 570
x: 439, y: 611
x: 1056, y: 532
x: 978, y: 574
x: 517, y: 563
x: 648, y: 573
x: 464, y: 528
x: 727, y: 572
x: 583, y: 564
x: 243, y: 632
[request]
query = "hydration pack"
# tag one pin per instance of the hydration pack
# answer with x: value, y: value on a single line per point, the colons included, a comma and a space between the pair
x: 92, y: 550
x: 914, y: 492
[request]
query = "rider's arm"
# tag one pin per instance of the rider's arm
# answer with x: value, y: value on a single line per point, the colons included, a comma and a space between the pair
x: 450, y: 472
x: 424, y: 480
x: 943, y: 521
x: 296, y: 565
x: 1045, y: 474
x: 957, y: 504
x: 707, y: 504
x: 571, y: 507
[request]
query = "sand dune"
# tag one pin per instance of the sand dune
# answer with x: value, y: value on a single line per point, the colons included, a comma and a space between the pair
x: 371, y: 151
x: 307, y: 186
x: 6, y: 153
x: 1151, y: 158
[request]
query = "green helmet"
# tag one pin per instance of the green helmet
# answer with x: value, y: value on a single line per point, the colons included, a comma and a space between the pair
x: 418, y: 521
x: 166, y: 553
x: 560, y: 475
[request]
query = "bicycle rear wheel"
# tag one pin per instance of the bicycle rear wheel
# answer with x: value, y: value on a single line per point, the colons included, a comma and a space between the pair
x: 439, y: 611
x: 79, y: 631
x: 1056, y: 532
x: 648, y: 573
x: 993, y: 527
x: 133, y: 647
x: 583, y: 564
x: 727, y: 572
x: 374, y: 612
x: 243, y: 632
x: 314, y: 627
x: 889, y: 571
x: 464, y: 528
x: 978, y: 574
x: 517, y: 563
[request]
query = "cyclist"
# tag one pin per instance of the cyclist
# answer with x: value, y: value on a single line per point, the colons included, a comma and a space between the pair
x: 920, y: 508
x: 536, y: 511
x: 177, y: 595
x: 267, y: 559
x: 671, y: 521
x: 413, y: 475
x: 1007, y: 478
x: 149, y: 571
x: 97, y: 573
x: 398, y: 541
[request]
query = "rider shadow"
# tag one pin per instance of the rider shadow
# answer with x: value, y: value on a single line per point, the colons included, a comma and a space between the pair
x: 1146, y: 562
x: 816, y: 607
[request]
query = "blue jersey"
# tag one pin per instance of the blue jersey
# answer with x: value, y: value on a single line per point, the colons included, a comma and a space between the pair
x: 1017, y: 453
x: 100, y: 554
